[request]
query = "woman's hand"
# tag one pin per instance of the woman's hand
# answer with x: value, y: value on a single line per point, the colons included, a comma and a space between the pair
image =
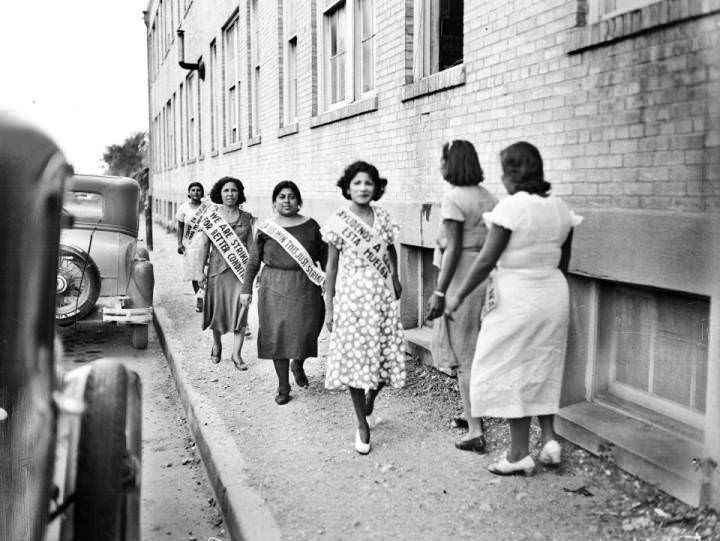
x: 452, y: 302
x: 245, y: 299
x: 181, y: 249
x: 435, y: 306
x: 397, y: 286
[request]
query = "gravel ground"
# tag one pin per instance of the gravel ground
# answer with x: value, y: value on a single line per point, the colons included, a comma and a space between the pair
x: 414, y: 484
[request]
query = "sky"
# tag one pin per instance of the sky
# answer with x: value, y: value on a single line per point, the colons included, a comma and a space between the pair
x: 78, y: 70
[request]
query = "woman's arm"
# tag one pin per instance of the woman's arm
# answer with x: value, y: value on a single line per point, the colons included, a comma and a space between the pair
x: 495, y: 244
x: 253, y: 266
x: 451, y: 257
x: 180, y: 234
x: 331, y: 270
x: 392, y: 256
x: 565, y: 253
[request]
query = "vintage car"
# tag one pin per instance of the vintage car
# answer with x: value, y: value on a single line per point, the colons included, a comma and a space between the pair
x: 70, y: 442
x: 104, y: 275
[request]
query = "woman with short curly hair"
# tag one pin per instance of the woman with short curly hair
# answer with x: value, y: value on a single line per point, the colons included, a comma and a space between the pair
x: 366, y: 349
x: 223, y: 312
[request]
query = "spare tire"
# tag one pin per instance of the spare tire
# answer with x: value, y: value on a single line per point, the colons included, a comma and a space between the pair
x: 78, y: 285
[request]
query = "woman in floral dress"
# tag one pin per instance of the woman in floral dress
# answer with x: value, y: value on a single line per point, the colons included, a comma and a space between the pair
x: 361, y: 292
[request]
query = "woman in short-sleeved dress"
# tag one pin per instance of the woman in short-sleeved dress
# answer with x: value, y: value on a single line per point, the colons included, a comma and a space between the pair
x: 366, y: 343
x: 223, y: 312
x: 518, y: 364
x: 463, y: 233
x: 184, y: 214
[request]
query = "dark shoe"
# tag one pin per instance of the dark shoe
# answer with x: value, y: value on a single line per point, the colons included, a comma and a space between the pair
x: 282, y: 397
x: 476, y: 444
x: 239, y: 363
x: 215, y: 355
x: 299, y: 374
x: 199, y: 304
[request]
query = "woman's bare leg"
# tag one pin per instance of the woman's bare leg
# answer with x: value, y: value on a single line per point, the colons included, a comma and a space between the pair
x: 475, y: 426
x: 547, y: 426
x: 358, y: 398
x: 519, y: 438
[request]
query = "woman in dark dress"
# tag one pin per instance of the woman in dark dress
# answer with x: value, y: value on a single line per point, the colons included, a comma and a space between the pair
x: 223, y: 312
x: 290, y: 303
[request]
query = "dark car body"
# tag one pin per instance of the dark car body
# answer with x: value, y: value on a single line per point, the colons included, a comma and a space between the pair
x: 51, y: 421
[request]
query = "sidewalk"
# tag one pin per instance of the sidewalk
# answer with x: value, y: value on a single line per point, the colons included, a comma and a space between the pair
x: 290, y: 472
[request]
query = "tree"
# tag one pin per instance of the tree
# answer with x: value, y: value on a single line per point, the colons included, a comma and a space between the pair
x: 127, y: 159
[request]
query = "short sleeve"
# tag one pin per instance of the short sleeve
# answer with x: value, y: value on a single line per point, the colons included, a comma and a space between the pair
x: 507, y: 213
x: 330, y: 233
x: 450, y: 209
x: 180, y: 214
x: 575, y: 219
x: 392, y: 229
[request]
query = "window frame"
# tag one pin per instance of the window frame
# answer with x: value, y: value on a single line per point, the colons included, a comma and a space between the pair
x: 190, y: 106
x: 352, y: 70
x: 231, y: 85
x: 289, y: 63
x: 212, y: 72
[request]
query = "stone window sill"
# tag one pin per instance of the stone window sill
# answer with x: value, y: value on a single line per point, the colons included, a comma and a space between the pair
x: 255, y: 140
x: 635, y: 22
x: 355, y: 108
x: 232, y: 147
x: 290, y: 129
x: 436, y: 82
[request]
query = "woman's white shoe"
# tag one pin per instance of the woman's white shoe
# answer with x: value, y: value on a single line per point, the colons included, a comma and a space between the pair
x: 525, y: 466
x: 550, y: 453
x: 360, y: 446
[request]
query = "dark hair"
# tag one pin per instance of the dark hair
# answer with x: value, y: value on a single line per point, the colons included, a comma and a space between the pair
x: 215, y: 196
x: 362, y: 167
x: 280, y: 186
x: 523, y: 165
x: 196, y: 185
x: 462, y: 167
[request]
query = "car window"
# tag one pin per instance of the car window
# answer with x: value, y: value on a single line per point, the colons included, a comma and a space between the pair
x: 84, y: 206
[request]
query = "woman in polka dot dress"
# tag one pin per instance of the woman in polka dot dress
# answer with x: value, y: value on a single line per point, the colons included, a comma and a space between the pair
x: 362, y: 287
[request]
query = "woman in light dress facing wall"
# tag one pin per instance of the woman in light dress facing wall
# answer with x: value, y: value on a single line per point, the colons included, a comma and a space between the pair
x: 518, y: 364
x: 463, y: 233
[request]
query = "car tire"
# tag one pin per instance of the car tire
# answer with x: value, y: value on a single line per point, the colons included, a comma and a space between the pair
x: 71, y: 263
x: 139, y: 337
x: 107, y: 471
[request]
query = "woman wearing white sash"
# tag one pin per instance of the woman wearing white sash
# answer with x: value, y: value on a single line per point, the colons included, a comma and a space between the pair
x: 366, y: 345
x: 290, y: 305
x: 185, y: 213
x: 223, y: 312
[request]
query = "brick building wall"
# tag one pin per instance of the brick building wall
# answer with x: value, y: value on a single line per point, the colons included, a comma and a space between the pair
x: 623, y: 106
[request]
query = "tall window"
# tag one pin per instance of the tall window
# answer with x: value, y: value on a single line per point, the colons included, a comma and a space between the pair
x: 173, y: 126
x: 198, y: 115
x: 181, y: 121
x: 438, y: 36
x: 213, y: 96
x: 231, y: 83
x: 254, y: 63
x: 364, y: 46
x: 335, y: 54
x: 348, y: 50
x: 190, y: 112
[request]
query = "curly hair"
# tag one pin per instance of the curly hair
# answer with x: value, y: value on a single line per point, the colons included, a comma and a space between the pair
x: 196, y: 185
x: 523, y: 165
x: 280, y: 186
x: 215, y: 196
x: 462, y: 166
x: 362, y: 167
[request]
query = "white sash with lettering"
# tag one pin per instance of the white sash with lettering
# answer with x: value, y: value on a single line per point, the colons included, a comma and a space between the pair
x: 226, y: 241
x: 194, y: 224
x: 295, y: 250
x: 370, y: 245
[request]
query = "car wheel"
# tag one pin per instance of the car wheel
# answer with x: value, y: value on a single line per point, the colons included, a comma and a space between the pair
x: 78, y: 286
x: 139, y: 338
x: 107, y: 469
